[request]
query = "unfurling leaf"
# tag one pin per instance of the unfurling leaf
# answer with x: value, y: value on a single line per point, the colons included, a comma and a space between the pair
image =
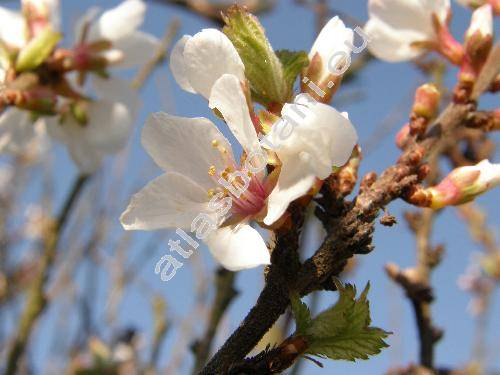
x: 293, y: 63
x: 263, y: 68
x: 37, y: 50
x: 301, y: 313
x: 343, y: 331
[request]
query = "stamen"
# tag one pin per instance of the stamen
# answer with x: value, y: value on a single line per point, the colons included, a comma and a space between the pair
x: 211, y: 170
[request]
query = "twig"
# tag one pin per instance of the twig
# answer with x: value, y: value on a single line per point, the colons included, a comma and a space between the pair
x: 225, y: 292
x: 37, y: 300
x: 213, y: 10
x: 160, y: 54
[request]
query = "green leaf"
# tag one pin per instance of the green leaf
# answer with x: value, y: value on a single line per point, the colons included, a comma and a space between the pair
x: 37, y: 50
x: 263, y: 68
x: 301, y: 313
x: 343, y: 331
x: 293, y: 63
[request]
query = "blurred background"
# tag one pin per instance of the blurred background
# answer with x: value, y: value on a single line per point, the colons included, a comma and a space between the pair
x: 104, y: 294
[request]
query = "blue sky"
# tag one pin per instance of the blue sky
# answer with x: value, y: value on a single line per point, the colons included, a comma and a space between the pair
x: 383, y: 91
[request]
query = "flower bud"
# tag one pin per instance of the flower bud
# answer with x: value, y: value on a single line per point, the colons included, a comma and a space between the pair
x: 403, y: 137
x: 427, y: 99
x: 465, y: 184
x: 39, y: 14
x: 479, y: 36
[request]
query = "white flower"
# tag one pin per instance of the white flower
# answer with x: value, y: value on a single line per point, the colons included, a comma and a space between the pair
x: 198, y: 61
x: 110, y: 120
x: 319, y: 138
x: 333, y: 44
x: 481, y: 22
x: 195, y: 154
x: 119, y: 25
x: 396, y: 25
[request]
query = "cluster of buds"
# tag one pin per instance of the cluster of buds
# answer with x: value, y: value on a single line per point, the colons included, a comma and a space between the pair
x: 462, y: 185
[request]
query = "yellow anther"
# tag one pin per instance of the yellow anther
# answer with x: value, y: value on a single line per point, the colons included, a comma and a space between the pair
x: 215, y: 143
x: 211, y: 193
x: 211, y: 170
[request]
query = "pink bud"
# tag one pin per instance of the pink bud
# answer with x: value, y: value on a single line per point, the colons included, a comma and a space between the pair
x: 465, y: 184
x: 427, y: 99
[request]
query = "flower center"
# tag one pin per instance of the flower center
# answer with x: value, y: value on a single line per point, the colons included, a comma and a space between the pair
x: 246, y: 190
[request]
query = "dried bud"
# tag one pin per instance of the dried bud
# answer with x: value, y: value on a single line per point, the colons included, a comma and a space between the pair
x: 465, y: 184
x: 427, y: 99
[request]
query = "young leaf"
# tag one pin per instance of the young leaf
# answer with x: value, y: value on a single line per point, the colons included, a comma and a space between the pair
x: 293, y: 63
x: 37, y: 50
x: 343, y: 331
x: 263, y: 69
x: 301, y: 313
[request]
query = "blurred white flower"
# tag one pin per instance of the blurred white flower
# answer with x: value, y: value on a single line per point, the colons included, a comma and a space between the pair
x: 129, y: 47
x: 107, y: 129
x: 400, y: 28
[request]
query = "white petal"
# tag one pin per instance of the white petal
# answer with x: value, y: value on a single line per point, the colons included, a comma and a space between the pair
x: 481, y: 21
x: 227, y: 96
x: 321, y: 135
x: 16, y: 131
x: 171, y: 200
x: 118, y: 22
x: 117, y: 90
x: 109, y: 126
x: 87, y: 158
x: 12, y: 31
x: 208, y: 55
x: 333, y: 38
x: 138, y: 48
x: 393, y: 45
x: 106, y: 132
x: 237, y: 248
x: 293, y: 182
x: 184, y: 145
x: 395, y: 24
x: 178, y: 64
x: 413, y: 15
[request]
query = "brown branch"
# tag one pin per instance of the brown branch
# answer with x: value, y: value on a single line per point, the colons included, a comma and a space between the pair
x: 213, y: 10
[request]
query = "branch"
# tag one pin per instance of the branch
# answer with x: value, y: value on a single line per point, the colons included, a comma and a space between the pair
x: 37, y: 299
x: 159, y: 55
x: 225, y: 292
x: 213, y: 10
